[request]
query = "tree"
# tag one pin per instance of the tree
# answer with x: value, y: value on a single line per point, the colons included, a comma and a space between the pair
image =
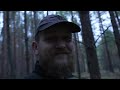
x: 13, y: 14
x: 112, y: 49
x: 4, y: 50
x: 8, y: 41
x: 35, y: 20
x: 116, y: 13
x: 105, y: 41
x: 90, y: 47
x: 76, y: 50
x: 47, y: 13
x: 20, y: 45
x: 26, y: 43
x: 115, y: 30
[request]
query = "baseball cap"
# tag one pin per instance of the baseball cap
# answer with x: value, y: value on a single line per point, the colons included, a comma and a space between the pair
x: 52, y: 20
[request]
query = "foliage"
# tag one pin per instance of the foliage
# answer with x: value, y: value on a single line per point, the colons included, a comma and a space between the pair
x: 101, y: 51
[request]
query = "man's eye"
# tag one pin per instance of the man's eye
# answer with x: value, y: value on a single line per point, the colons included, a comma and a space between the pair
x: 68, y: 39
x: 51, y: 40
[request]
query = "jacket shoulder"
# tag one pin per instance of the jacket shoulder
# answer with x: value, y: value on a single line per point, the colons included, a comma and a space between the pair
x: 33, y: 76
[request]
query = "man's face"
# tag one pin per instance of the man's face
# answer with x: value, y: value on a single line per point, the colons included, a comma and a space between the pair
x: 55, y: 51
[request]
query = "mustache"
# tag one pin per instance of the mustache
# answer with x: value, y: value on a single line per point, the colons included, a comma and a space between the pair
x: 62, y: 52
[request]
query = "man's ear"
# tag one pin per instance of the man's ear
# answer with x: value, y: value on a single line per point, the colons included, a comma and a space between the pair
x: 35, y: 47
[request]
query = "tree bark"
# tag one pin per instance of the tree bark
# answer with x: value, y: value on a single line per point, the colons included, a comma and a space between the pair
x: 117, y: 18
x: 90, y: 47
x: 8, y: 41
x: 115, y: 30
x: 26, y: 44
x: 76, y: 50
x: 14, y: 40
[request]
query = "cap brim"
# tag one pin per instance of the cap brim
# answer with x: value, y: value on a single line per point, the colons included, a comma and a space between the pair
x: 73, y: 27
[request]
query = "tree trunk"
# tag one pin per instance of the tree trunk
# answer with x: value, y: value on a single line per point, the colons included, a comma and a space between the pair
x: 106, y: 45
x: 82, y: 60
x: 32, y: 30
x: 35, y: 20
x: 47, y: 13
x: 117, y: 18
x: 90, y: 47
x: 26, y: 44
x: 8, y: 41
x: 76, y: 50
x: 115, y: 30
x: 14, y: 40
x: 4, y: 49
x: 4, y: 46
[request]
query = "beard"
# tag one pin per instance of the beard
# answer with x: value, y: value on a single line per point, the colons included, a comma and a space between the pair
x: 57, y: 66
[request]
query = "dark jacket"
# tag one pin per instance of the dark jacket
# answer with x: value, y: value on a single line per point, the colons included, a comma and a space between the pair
x: 39, y: 74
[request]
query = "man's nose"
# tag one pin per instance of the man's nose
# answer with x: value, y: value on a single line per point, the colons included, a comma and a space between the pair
x: 61, y: 45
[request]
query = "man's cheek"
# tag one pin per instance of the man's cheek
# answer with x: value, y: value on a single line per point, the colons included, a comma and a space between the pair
x: 48, y: 52
x: 71, y: 47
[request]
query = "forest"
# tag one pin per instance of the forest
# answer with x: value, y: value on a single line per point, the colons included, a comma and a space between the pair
x: 97, y: 46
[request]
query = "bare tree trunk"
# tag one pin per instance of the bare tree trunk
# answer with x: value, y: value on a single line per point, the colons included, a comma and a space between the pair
x: 32, y: 30
x: 4, y: 57
x: 82, y: 61
x: 117, y: 18
x: 116, y: 31
x: 90, y: 47
x: 34, y: 27
x: 18, y: 42
x: 106, y: 45
x: 12, y: 74
x: 26, y: 43
x: 14, y: 35
x: 76, y: 50
x: 47, y: 13
x: 4, y: 46
x: 14, y: 41
x: 35, y: 20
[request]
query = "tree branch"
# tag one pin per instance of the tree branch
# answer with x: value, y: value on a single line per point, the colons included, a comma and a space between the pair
x: 101, y: 34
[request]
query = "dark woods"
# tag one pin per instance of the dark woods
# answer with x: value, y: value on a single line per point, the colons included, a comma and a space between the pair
x: 97, y: 46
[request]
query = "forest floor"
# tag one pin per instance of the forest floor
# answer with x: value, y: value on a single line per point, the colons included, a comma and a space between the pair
x: 104, y: 75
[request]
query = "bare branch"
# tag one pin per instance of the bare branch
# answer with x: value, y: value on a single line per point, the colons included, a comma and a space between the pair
x: 102, y: 34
